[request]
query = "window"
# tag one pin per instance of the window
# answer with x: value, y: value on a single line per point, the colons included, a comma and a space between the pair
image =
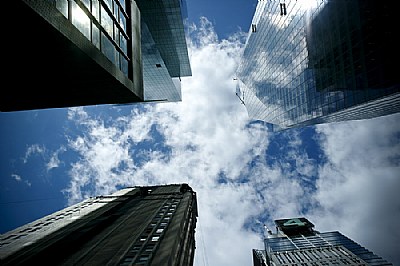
x: 283, y: 9
x: 149, y: 248
x: 144, y: 258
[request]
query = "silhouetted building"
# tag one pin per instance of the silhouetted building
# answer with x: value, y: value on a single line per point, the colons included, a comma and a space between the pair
x: 63, y: 53
x: 312, y: 62
x: 134, y: 226
x: 297, y: 243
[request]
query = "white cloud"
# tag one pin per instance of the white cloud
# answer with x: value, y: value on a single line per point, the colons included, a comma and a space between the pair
x: 43, y: 152
x: 33, y: 149
x: 208, y: 143
x: 18, y: 178
x: 223, y: 210
x: 103, y: 150
x: 207, y: 137
x: 54, y: 161
x: 358, y: 187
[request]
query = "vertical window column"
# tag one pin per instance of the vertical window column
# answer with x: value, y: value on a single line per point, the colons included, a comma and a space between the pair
x: 104, y: 23
x: 145, y: 246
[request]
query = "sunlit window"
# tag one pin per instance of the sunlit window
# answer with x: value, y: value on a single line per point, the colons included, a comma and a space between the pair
x: 80, y: 20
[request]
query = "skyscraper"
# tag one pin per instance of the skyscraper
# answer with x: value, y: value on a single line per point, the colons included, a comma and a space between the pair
x: 297, y: 243
x: 88, y: 52
x: 134, y: 226
x: 311, y: 61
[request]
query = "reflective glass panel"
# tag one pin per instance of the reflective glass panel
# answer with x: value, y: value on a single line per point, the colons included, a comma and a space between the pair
x: 80, y: 20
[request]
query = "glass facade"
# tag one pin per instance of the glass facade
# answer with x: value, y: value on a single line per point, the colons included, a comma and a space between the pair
x: 297, y: 243
x: 163, y: 44
x: 104, y: 23
x: 311, y: 61
x: 157, y: 82
x: 332, y: 242
x: 166, y: 21
x: 327, y: 246
x: 164, y: 48
x: 97, y: 52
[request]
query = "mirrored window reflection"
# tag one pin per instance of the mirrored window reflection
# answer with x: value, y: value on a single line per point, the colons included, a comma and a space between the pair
x: 116, y: 35
x: 122, y: 20
x: 124, y: 65
x: 95, y: 36
x: 108, y: 22
x: 123, y: 43
x: 80, y: 20
x: 122, y: 2
x: 86, y: 3
x: 96, y: 9
x: 108, y: 48
x: 62, y: 5
x: 109, y: 3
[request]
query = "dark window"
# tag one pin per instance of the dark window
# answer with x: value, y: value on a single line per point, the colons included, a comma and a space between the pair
x: 283, y: 9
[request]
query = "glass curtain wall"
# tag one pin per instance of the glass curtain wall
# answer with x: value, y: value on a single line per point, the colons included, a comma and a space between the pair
x: 104, y: 23
x: 312, y: 61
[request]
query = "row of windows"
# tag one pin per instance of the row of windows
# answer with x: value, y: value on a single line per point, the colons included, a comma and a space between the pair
x: 104, y: 23
x: 337, y: 255
x: 45, y: 223
x: 301, y: 71
x: 144, y: 247
x: 321, y: 240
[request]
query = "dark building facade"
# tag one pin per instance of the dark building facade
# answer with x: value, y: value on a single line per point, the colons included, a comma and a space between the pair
x: 134, y: 226
x: 311, y: 62
x: 297, y: 243
x: 66, y: 53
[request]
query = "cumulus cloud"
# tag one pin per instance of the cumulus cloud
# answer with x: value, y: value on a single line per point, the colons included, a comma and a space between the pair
x: 206, y: 138
x: 208, y: 142
x: 357, y: 188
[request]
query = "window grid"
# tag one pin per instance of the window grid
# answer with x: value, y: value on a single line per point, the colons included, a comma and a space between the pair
x: 142, y: 249
x: 104, y: 23
x: 303, y: 67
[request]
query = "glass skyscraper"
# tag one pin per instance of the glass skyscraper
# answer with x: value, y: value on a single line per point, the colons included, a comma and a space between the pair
x: 297, y: 243
x: 151, y: 225
x: 310, y: 61
x: 87, y: 52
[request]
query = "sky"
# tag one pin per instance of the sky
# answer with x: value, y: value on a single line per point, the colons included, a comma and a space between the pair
x: 341, y: 176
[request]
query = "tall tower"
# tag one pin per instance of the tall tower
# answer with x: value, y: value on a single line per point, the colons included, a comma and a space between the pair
x: 134, y: 226
x: 90, y: 52
x: 297, y: 243
x: 311, y: 62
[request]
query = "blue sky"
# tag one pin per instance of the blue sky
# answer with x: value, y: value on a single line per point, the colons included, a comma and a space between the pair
x: 342, y: 176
